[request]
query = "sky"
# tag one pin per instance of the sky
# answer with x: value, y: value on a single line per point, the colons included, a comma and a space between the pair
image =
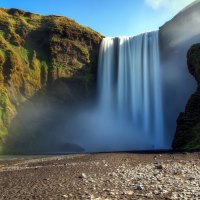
x: 108, y: 17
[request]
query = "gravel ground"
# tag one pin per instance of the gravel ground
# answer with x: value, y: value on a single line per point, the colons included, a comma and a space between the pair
x: 102, y: 176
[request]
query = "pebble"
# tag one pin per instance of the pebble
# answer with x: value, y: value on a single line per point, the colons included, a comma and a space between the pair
x: 83, y: 175
x: 151, y: 180
x: 159, y: 167
x: 156, y: 192
x: 159, y: 179
x: 65, y: 196
x: 138, y: 187
x: 129, y: 193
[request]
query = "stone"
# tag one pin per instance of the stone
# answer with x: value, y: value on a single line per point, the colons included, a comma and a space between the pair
x: 138, y: 187
x: 129, y: 193
x: 83, y: 176
x: 159, y: 166
x: 191, y: 178
x: 156, y: 192
x: 65, y: 196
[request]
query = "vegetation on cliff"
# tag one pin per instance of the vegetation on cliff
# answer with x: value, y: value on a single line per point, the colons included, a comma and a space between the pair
x: 35, y: 51
x: 188, y: 124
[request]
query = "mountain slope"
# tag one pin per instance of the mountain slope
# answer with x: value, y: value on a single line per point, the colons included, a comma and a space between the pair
x: 35, y: 51
x: 176, y: 38
x: 188, y: 124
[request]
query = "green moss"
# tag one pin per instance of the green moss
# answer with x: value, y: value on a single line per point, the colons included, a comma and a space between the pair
x: 35, y: 51
x: 57, y: 65
x: 2, y: 57
x: 44, y: 72
x: 194, y: 60
x: 24, y: 53
x: 83, y: 50
x: 194, y: 142
x: 5, y: 108
x: 56, y: 38
x: 35, y: 63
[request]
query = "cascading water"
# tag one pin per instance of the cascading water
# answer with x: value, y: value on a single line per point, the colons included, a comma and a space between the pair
x: 130, y: 93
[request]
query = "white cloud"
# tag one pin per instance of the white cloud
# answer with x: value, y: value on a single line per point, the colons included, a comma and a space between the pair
x: 174, y: 5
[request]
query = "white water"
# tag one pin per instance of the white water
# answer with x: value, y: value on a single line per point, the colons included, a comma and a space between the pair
x: 130, y: 92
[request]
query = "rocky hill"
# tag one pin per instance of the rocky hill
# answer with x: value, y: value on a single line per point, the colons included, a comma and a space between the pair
x: 176, y: 37
x: 43, y: 55
x: 181, y: 31
x: 188, y: 124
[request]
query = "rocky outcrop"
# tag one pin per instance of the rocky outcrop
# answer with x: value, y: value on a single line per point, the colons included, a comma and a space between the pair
x: 176, y: 37
x: 178, y: 34
x: 43, y: 56
x: 188, y: 124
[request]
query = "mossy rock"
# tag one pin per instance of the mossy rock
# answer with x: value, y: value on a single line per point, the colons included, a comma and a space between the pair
x: 35, y: 52
x: 194, y: 141
x: 187, y: 136
x: 194, y: 61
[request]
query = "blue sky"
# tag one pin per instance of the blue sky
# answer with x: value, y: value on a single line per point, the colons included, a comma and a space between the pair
x: 109, y: 17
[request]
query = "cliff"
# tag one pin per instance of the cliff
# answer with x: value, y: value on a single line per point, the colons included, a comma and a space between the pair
x: 176, y: 37
x: 188, y: 124
x: 40, y: 56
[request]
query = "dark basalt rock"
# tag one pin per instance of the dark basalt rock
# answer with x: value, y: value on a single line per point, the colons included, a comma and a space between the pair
x: 187, y: 134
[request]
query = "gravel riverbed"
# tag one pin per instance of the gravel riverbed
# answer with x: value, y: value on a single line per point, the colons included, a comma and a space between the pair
x: 102, y: 176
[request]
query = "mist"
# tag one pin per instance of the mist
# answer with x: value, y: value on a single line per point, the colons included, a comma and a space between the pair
x: 48, y: 124
x: 176, y: 38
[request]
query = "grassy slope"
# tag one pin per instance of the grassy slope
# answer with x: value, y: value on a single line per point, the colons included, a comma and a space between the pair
x: 36, y: 50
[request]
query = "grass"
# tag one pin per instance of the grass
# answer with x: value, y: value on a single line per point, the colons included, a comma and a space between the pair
x: 4, y: 113
x: 194, y: 142
x: 24, y: 54
x: 35, y: 49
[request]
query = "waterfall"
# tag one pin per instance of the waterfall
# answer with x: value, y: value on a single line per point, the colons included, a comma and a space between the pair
x: 130, y: 90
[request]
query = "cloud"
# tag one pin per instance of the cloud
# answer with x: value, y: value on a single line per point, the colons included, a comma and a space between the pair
x: 174, y: 5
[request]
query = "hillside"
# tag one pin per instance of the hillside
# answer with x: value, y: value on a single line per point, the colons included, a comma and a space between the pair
x: 38, y: 51
x: 188, y: 124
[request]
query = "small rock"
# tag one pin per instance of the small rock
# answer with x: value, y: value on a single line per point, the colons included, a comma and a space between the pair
x: 159, y: 167
x: 111, y: 193
x: 138, y: 187
x: 129, y: 193
x: 156, y: 192
x: 191, y: 178
x: 83, y: 175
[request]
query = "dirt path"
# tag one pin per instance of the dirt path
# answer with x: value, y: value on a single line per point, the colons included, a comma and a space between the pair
x: 102, y: 176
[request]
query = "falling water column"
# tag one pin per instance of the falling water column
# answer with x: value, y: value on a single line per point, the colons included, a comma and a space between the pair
x: 130, y: 87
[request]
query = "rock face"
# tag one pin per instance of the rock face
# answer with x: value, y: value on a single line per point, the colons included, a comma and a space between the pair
x: 178, y: 34
x: 43, y: 56
x: 188, y: 124
x: 176, y: 38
